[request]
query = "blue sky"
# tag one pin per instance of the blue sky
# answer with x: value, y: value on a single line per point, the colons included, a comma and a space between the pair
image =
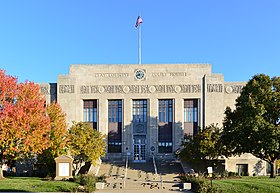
x: 39, y: 39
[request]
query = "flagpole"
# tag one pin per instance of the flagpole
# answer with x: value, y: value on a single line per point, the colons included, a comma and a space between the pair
x: 138, y: 26
x: 139, y: 44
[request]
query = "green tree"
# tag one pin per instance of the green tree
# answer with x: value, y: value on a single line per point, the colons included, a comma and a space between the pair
x: 58, y: 136
x: 204, y: 145
x: 86, y: 144
x: 253, y: 127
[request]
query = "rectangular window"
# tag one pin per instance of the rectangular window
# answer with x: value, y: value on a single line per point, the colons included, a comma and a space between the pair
x: 139, y: 116
x: 139, y: 111
x: 190, y: 110
x: 190, y: 116
x: 165, y: 118
x: 90, y: 113
x: 115, y: 114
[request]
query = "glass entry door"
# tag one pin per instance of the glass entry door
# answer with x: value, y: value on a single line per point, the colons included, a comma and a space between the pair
x: 139, y: 148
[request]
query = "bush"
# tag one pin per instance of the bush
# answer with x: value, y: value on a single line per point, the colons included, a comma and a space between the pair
x: 224, y: 174
x: 199, y: 184
x: 101, y: 178
x: 88, y: 181
x: 230, y: 174
x: 244, y: 174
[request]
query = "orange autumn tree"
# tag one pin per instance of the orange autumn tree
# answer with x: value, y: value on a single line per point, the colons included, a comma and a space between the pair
x: 59, y: 131
x: 24, y: 124
x: 7, y: 94
x: 58, y: 136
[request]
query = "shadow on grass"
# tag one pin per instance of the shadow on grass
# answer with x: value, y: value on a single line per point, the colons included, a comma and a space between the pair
x: 10, y: 190
x: 35, y: 184
x: 21, y: 178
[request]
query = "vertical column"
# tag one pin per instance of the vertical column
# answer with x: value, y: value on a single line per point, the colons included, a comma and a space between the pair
x: 102, y: 109
x: 214, y: 99
x: 102, y: 119
x: 203, y: 103
x: 127, y: 127
x: 67, y: 97
x: 178, y: 131
x: 153, y: 127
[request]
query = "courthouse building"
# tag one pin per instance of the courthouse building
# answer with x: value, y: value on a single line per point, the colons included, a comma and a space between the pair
x: 146, y: 110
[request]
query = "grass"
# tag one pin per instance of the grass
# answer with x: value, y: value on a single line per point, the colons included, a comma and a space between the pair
x: 34, y: 184
x: 249, y: 185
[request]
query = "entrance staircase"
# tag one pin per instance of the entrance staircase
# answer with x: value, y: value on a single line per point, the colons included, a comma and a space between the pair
x: 141, y: 175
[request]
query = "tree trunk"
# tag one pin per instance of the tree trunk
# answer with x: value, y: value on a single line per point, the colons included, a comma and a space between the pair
x: 79, y: 165
x: 1, y: 163
x: 273, y: 169
x: 1, y: 172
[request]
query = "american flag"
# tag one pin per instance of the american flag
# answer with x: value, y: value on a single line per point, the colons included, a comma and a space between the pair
x: 138, y: 21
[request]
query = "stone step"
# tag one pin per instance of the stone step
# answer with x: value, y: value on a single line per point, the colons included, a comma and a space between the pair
x: 141, y: 176
x: 143, y: 186
x: 109, y: 170
x: 170, y: 168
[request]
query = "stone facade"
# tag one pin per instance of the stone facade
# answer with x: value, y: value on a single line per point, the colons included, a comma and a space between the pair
x: 177, y: 84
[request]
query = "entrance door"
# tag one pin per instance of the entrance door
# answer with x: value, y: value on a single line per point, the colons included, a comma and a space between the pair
x: 139, y: 148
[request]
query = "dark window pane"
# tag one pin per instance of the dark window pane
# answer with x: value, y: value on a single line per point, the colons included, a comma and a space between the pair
x: 90, y: 112
x: 165, y: 116
x: 139, y: 111
x: 114, y: 126
x: 190, y: 116
x: 165, y: 147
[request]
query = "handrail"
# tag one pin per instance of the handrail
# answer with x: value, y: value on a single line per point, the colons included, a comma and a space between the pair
x: 125, y: 174
x: 155, y: 166
x: 161, y: 182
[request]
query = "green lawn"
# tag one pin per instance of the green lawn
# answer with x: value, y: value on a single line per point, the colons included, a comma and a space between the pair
x: 249, y: 185
x: 33, y: 184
